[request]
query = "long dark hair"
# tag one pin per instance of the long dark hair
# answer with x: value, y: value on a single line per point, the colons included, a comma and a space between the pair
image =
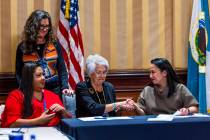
x: 32, y: 27
x: 172, y: 79
x: 27, y: 87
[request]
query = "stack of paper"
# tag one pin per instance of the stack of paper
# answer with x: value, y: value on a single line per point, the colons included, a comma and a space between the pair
x: 167, y: 117
x: 162, y: 117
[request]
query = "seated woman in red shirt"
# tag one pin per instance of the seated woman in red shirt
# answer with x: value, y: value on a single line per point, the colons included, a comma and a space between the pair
x: 31, y: 105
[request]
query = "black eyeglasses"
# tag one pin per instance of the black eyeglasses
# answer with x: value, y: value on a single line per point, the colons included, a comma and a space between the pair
x: 44, y: 27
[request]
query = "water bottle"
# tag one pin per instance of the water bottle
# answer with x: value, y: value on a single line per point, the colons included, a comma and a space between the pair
x: 16, y: 136
x: 33, y: 137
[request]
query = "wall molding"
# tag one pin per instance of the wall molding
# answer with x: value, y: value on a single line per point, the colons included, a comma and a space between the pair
x: 136, y: 80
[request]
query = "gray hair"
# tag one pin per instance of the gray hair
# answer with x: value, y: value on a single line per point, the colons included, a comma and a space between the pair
x: 93, y: 60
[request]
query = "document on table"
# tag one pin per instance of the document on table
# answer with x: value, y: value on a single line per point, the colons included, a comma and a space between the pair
x: 170, y: 117
x: 195, y: 115
x: 200, y: 115
x: 162, y: 117
x: 100, y: 118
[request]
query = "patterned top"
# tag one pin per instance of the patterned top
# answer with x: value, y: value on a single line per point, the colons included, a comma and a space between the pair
x: 51, y: 60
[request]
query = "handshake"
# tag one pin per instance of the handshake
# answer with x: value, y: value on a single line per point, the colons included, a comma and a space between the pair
x: 127, y: 105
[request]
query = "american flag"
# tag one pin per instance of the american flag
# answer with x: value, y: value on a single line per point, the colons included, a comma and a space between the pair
x: 70, y: 39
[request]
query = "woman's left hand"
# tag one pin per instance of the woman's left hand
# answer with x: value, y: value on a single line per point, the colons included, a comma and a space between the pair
x: 184, y: 111
x: 58, y: 108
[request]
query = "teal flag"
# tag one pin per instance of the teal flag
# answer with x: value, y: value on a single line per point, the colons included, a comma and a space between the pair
x: 198, y: 46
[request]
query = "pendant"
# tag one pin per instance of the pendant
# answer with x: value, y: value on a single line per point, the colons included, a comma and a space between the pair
x: 91, y: 90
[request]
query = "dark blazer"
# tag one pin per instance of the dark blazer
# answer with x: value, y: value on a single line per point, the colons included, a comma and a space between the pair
x: 86, y: 100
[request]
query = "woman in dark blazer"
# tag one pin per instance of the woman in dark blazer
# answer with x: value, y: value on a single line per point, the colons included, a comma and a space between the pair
x: 95, y: 96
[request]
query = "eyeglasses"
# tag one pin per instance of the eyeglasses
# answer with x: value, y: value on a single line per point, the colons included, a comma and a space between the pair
x: 102, y: 74
x: 44, y: 27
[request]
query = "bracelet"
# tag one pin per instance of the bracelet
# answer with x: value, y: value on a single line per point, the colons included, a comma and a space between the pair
x: 114, y: 108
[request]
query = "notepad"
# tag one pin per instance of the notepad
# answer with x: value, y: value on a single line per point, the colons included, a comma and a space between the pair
x: 200, y: 115
x: 162, y: 117
x: 167, y: 117
x: 100, y: 118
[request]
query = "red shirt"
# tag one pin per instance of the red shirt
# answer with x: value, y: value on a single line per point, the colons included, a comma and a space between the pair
x: 14, y: 107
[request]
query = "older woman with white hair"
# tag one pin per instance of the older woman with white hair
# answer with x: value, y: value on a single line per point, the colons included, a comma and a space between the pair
x: 95, y: 96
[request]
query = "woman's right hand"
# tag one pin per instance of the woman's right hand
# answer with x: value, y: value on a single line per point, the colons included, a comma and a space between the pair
x: 132, y: 103
x: 45, y: 117
x: 126, y: 105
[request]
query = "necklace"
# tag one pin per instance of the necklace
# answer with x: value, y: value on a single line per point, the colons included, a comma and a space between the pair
x: 99, y: 97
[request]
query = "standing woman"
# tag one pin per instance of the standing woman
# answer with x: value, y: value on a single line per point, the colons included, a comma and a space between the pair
x: 39, y: 45
x: 165, y: 94
x: 31, y: 104
x: 95, y: 96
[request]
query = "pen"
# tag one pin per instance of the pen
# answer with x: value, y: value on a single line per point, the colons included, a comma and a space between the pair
x: 18, y: 131
x: 100, y: 117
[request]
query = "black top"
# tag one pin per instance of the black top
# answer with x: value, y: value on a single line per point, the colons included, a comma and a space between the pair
x: 40, y: 49
x: 91, y: 103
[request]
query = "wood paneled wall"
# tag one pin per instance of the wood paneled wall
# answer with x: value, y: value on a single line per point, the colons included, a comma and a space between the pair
x: 128, y: 84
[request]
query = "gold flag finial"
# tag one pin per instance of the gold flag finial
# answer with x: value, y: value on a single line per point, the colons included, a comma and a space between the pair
x: 67, y: 9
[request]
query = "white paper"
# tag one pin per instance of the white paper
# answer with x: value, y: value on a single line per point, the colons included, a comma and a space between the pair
x: 167, y: 117
x: 200, y: 115
x: 181, y: 117
x: 100, y: 118
x: 177, y: 113
x: 162, y: 117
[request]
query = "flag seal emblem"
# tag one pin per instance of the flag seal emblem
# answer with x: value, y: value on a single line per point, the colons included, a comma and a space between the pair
x: 200, y: 41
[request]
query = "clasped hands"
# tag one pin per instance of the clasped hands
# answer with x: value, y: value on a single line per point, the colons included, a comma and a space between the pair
x: 127, y: 105
x: 47, y: 116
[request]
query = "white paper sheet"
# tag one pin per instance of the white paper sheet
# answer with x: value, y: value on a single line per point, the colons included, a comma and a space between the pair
x: 162, y: 117
x: 100, y: 118
x: 200, y: 115
x: 170, y: 117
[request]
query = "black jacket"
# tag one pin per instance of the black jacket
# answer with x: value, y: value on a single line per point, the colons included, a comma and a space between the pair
x: 86, y: 100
